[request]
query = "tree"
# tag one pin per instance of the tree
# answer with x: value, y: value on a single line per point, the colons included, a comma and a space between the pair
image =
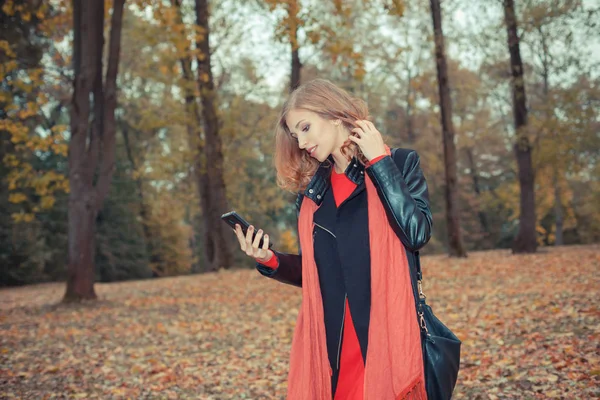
x: 551, y: 32
x: 526, y: 240
x: 287, y: 30
x: 455, y: 242
x: 92, y: 145
x: 32, y: 147
x: 213, y: 197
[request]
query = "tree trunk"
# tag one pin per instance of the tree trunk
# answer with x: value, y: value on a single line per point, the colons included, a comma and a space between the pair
x: 217, y: 237
x: 195, y: 137
x: 455, y: 242
x: 526, y: 240
x: 296, y: 65
x: 476, y: 188
x: 296, y: 68
x: 558, y: 212
x: 144, y: 213
x: 92, y: 146
x: 409, y: 122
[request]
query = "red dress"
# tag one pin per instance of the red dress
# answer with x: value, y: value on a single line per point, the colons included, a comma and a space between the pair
x: 352, y: 366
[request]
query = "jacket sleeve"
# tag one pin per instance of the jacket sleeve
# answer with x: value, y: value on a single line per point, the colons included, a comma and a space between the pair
x: 403, y: 192
x: 289, y: 269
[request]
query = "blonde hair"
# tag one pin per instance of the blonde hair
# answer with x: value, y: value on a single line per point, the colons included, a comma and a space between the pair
x: 295, y: 168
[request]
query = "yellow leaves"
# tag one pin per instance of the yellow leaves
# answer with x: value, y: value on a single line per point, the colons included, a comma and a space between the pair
x: 17, y: 198
x: 9, y: 8
x: 47, y: 202
x: 11, y: 161
x: 27, y: 113
x: 23, y: 86
x: 289, y: 243
x: 395, y: 7
x: 22, y: 217
x: 204, y: 77
x: 52, y: 369
x: 344, y: 12
x: 43, y: 183
x: 7, y: 68
x: 36, y: 76
x: 60, y: 148
x: 5, y: 47
x: 136, y: 174
x: 136, y: 369
x: 360, y: 72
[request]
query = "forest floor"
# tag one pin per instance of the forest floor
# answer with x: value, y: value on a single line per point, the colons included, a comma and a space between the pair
x: 530, y: 327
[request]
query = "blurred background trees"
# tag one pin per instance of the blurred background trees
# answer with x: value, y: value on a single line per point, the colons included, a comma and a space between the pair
x: 198, y: 91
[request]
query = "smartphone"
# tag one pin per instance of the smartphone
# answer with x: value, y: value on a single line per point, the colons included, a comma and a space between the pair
x: 231, y: 218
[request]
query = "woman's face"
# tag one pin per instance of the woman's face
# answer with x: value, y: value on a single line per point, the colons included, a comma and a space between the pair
x: 317, y: 136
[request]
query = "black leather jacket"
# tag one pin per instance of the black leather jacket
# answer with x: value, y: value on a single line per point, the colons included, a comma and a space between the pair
x: 402, y: 189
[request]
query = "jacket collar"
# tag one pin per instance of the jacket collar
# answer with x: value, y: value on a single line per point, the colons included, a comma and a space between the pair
x: 320, y: 182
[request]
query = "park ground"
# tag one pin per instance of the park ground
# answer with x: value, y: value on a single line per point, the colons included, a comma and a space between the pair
x: 530, y: 326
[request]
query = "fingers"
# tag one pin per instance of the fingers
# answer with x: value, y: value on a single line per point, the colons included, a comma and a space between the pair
x: 359, y: 133
x: 354, y: 139
x: 250, y: 246
x: 257, y: 239
x: 240, y: 236
x: 366, y: 126
x: 248, y: 239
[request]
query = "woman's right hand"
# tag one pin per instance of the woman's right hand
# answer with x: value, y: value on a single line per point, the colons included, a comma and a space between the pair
x: 261, y: 254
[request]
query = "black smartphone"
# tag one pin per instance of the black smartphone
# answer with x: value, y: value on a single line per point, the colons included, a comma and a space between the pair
x: 231, y: 218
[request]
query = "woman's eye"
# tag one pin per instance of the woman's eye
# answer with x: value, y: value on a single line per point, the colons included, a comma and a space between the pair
x: 305, y: 129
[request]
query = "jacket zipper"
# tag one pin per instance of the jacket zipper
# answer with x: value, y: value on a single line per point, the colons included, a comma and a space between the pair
x: 325, y: 229
x: 343, y: 311
x: 341, y: 333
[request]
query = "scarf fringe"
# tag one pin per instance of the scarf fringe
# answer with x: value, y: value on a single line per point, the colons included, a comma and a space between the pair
x: 414, y: 391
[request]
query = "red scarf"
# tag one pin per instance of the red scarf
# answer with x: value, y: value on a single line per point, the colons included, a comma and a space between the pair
x: 394, y: 365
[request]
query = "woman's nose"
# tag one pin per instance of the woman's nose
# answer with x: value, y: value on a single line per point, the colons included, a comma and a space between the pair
x: 301, y: 142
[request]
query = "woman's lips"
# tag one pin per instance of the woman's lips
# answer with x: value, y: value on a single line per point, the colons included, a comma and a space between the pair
x: 312, y: 150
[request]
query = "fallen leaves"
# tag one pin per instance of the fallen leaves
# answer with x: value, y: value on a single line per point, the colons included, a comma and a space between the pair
x: 530, y: 326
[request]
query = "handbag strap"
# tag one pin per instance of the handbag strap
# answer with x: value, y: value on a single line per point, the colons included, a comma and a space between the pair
x: 418, y: 293
x: 416, y: 278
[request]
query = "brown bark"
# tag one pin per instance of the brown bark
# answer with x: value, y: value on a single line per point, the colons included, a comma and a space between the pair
x: 296, y: 68
x: 476, y: 188
x: 455, y: 242
x: 217, y: 237
x: 410, y: 133
x: 144, y: 213
x: 558, y: 210
x: 525, y: 242
x: 92, y: 146
x: 195, y: 139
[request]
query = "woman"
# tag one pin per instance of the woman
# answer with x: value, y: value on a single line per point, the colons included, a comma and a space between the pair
x: 357, y: 335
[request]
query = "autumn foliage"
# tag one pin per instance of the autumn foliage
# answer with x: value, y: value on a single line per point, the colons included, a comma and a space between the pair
x: 529, y: 326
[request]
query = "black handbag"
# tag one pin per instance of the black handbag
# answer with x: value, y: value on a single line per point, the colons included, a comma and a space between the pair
x: 441, y: 348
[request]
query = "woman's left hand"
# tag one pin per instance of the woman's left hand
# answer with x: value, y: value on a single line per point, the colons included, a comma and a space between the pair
x: 369, y: 139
